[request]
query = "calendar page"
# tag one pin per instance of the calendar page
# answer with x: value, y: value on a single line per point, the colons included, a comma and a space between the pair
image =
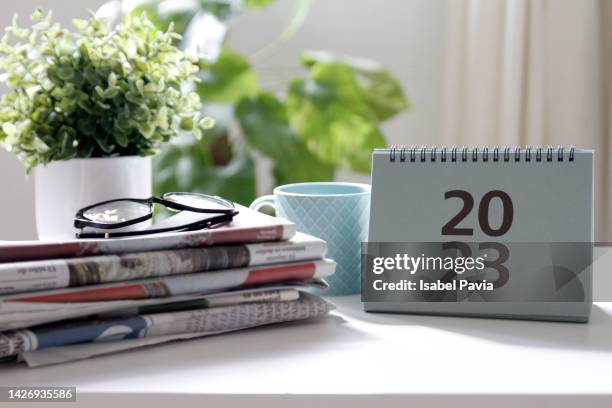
x: 493, y: 232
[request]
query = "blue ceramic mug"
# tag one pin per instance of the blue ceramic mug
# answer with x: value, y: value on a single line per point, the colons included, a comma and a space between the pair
x: 335, y: 212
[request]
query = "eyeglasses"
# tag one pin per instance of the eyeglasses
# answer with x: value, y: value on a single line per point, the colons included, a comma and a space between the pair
x: 123, y: 212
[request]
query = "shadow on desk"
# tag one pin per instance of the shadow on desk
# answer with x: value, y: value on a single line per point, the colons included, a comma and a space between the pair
x: 595, y: 335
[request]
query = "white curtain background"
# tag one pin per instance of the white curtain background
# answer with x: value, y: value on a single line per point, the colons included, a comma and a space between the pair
x: 532, y: 72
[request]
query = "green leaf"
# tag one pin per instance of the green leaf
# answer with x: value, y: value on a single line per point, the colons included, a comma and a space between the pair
x: 37, y: 15
x: 179, y: 16
x: 329, y: 112
x: 228, y: 79
x: 65, y: 73
x: 121, y: 138
x: 382, y: 91
x: 222, y: 9
x: 103, y: 144
x: 66, y: 136
x: 112, y: 79
x: 9, y: 129
x: 146, y: 129
x: 265, y: 125
x: 257, y: 3
x: 206, y: 123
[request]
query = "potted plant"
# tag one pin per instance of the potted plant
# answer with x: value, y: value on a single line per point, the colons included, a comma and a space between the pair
x: 87, y: 108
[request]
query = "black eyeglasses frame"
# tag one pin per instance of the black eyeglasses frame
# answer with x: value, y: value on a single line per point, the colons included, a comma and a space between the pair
x: 225, y: 215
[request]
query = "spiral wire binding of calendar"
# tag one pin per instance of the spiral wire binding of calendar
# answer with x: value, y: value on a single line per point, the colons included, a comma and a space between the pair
x: 414, y: 154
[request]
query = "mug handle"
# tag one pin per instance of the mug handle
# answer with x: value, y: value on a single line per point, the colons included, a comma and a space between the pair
x: 263, y: 201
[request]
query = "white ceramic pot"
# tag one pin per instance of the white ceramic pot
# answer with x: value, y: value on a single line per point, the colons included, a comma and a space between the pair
x: 63, y: 187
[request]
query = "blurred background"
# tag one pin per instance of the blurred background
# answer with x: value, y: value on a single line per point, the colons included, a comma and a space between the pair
x: 474, y: 72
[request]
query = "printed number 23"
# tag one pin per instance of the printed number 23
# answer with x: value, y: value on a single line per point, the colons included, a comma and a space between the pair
x: 450, y: 228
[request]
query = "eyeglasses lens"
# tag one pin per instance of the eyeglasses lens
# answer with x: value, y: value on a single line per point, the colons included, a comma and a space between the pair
x: 117, y: 211
x: 196, y: 201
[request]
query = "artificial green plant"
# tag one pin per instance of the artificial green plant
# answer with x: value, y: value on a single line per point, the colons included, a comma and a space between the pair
x: 94, y: 92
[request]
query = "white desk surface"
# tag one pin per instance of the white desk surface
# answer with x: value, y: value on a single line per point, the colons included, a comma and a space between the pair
x: 356, y: 359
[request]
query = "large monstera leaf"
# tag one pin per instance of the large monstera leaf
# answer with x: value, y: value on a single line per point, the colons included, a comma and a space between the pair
x: 381, y: 90
x: 266, y: 128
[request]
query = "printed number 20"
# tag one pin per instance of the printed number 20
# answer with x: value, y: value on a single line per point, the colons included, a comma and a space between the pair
x: 450, y: 228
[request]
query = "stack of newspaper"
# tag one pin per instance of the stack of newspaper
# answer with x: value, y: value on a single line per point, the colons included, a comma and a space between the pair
x: 71, y: 300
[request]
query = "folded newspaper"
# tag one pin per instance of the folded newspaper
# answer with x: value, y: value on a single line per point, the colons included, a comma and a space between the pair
x: 28, y: 276
x: 64, y: 301
x: 54, y: 343
x: 16, y: 315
